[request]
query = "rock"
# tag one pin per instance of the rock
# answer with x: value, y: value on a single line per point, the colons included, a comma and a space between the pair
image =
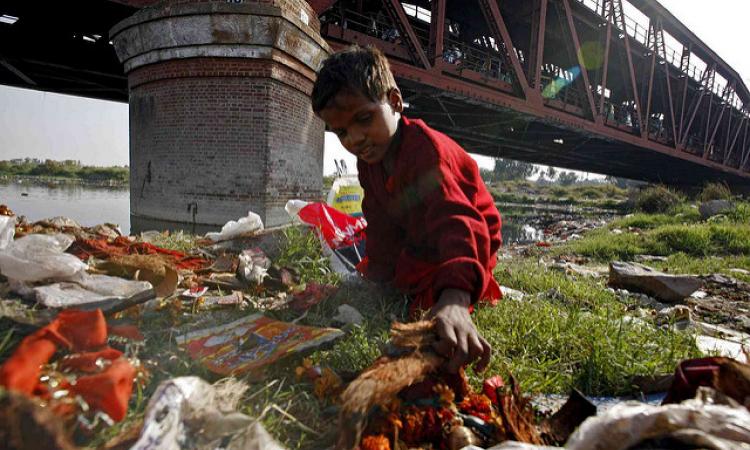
x: 640, y: 278
x: 650, y: 258
x: 348, y: 315
x: 714, y: 207
x: 617, y: 231
x: 674, y: 314
x: 574, y: 269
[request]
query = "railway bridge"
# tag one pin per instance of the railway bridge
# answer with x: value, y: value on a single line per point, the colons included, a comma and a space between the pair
x: 218, y: 89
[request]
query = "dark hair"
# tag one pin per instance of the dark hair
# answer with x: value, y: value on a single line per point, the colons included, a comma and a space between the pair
x: 365, y: 70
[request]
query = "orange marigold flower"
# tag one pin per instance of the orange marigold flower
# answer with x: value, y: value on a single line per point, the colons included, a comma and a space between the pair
x: 445, y: 394
x: 378, y: 442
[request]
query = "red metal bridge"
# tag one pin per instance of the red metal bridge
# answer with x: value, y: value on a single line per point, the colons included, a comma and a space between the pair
x: 618, y: 87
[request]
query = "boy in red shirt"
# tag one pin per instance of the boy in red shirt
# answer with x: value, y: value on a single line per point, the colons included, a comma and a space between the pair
x: 432, y: 227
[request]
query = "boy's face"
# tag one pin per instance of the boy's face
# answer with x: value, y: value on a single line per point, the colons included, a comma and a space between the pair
x: 364, y: 127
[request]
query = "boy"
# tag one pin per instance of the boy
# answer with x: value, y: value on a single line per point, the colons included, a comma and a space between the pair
x: 433, y: 229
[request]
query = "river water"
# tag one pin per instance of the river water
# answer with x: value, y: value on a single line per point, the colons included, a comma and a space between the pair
x: 94, y: 205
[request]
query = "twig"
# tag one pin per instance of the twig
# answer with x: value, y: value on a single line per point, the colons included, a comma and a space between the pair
x: 296, y: 421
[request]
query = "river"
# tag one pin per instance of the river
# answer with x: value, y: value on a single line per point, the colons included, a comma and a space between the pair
x: 90, y: 206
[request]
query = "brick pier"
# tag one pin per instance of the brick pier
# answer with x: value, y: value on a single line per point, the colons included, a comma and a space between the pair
x: 220, y: 117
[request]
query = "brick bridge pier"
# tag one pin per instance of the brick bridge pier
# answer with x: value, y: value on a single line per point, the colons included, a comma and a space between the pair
x: 220, y: 117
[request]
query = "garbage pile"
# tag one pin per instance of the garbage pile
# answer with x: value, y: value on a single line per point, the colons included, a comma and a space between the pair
x: 403, y: 401
x: 78, y: 295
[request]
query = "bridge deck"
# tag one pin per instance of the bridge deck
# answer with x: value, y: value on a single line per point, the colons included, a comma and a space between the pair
x: 612, y: 86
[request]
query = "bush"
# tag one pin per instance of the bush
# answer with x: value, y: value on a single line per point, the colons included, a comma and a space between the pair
x: 657, y: 199
x: 715, y: 191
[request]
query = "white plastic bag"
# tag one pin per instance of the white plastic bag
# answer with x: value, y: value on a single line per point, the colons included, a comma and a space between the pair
x: 7, y: 230
x: 248, y: 225
x: 39, y: 257
x: 84, y: 289
x: 188, y: 413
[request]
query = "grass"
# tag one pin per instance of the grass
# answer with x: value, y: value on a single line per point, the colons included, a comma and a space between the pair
x: 586, y: 195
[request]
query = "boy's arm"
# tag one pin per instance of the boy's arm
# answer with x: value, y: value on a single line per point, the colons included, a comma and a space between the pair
x: 460, y: 233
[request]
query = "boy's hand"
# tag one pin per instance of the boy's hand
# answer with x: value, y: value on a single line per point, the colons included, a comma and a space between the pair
x: 459, y: 340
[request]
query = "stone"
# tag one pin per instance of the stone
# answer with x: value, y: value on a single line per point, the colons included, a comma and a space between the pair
x: 348, y: 315
x: 574, y: 269
x: 640, y: 278
x: 714, y: 207
x: 650, y: 258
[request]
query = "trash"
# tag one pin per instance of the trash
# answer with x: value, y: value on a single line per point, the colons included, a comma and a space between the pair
x: 346, y: 195
x: 7, y: 230
x: 740, y: 271
x: 730, y: 377
x: 574, y: 269
x: 246, y: 226
x: 194, y: 292
x: 85, y: 289
x: 690, y: 424
x: 39, y: 257
x: 313, y: 294
x: 342, y: 234
x: 107, y: 391
x: 650, y: 258
x: 122, y: 246
x: 512, y: 294
x: 557, y: 428
x: 637, y: 277
x: 251, y: 343
x: 348, y: 315
x: 419, y: 406
x: 253, y: 266
x: 153, y: 268
x: 25, y: 425
x: 234, y: 299
x: 708, y: 344
x: 188, y: 413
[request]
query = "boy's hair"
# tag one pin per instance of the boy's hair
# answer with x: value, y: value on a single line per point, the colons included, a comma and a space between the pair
x: 365, y: 70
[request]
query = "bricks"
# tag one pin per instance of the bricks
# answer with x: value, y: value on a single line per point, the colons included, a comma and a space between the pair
x: 220, y: 116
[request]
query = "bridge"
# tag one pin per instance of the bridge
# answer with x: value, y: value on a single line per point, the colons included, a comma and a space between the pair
x: 618, y: 87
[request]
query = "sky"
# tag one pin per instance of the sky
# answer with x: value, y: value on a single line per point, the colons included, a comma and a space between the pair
x: 44, y: 125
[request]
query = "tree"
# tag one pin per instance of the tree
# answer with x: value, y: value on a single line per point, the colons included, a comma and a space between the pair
x: 567, y: 178
x: 508, y: 169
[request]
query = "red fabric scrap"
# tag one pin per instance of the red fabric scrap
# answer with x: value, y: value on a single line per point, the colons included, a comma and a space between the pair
x: 77, y: 331
x: 126, y: 331
x: 122, y: 246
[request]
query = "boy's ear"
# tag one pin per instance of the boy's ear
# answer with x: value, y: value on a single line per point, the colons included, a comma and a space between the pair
x: 395, y: 100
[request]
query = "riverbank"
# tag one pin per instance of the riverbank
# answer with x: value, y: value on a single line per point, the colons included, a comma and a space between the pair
x: 560, y: 327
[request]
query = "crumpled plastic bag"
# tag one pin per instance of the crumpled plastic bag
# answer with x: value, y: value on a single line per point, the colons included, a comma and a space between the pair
x: 39, y: 257
x: 248, y: 225
x: 253, y: 266
x: 7, y: 230
x: 188, y: 413
x: 707, y: 418
x: 85, y: 289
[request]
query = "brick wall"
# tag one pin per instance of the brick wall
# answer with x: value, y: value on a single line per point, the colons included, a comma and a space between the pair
x: 227, y: 135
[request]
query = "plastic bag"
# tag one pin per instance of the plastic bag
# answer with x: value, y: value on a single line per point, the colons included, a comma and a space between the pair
x: 346, y: 195
x: 85, y: 289
x: 342, y: 235
x: 39, y: 257
x: 248, y: 225
x: 7, y: 230
x: 188, y: 413
x: 630, y: 423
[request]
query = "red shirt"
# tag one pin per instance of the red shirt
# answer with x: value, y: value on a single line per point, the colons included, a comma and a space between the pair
x: 432, y: 224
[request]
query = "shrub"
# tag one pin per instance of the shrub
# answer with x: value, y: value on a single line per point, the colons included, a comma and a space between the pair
x: 715, y: 191
x: 657, y: 199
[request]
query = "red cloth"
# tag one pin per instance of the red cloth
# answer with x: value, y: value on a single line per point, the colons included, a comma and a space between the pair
x: 121, y: 246
x: 77, y: 331
x: 431, y: 225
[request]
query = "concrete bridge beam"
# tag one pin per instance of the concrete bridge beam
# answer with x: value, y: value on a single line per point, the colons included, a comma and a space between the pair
x: 220, y: 117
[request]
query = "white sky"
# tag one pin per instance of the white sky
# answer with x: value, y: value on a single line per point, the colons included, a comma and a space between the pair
x: 42, y: 125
